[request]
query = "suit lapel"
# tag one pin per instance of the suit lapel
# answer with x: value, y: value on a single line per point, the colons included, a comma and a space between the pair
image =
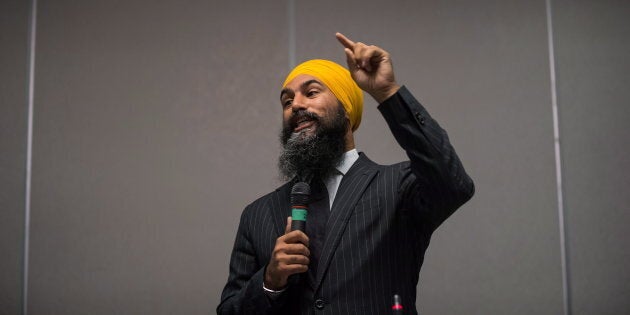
x: 280, y: 207
x: 349, y: 192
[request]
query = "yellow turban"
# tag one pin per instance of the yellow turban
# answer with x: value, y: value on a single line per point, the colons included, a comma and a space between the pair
x: 339, y: 81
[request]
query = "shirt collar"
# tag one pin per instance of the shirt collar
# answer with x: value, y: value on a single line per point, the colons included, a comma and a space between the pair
x: 347, y: 161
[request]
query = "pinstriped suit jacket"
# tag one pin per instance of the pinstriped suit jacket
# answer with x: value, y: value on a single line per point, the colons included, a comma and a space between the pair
x: 378, y: 231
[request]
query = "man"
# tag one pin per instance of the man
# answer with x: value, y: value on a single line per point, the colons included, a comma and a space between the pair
x: 368, y: 225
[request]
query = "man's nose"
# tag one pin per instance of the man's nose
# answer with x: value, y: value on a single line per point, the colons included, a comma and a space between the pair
x: 299, y: 103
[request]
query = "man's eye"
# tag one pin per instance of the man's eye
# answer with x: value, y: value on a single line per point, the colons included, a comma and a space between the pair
x: 311, y: 93
x: 287, y: 102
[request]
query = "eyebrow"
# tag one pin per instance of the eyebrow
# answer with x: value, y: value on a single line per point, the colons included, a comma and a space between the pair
x: 302, y: 86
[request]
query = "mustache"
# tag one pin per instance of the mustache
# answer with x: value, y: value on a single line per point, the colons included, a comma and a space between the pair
x: 318, y: 153
x: 300, y: 115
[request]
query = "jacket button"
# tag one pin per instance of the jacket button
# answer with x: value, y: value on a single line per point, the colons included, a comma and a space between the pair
x: 319, y: 303
x: 420, y: 118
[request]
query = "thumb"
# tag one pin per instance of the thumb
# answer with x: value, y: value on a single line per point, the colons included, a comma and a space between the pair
x: 287, y: 229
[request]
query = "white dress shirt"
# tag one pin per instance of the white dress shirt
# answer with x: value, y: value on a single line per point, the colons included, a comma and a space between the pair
x: 332, y: 182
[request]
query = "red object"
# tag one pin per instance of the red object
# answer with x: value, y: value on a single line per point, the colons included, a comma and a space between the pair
x: 397, y: 308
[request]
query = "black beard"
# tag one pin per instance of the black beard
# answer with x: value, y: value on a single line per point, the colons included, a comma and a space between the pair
x: 317, y: 154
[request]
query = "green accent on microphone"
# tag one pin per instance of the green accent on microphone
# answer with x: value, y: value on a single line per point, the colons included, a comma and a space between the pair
x: 298, y: 214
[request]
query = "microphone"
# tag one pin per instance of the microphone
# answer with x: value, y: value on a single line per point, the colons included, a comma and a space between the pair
x: 300, y: 194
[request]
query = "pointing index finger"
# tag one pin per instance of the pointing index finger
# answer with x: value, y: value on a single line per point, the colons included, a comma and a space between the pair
x: 345, y: 41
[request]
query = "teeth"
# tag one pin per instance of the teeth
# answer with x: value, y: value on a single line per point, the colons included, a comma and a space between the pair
x: 301, y: 121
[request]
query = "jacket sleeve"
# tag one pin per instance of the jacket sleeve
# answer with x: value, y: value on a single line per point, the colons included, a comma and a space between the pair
x: 243, y: 293
x: 437, y: 184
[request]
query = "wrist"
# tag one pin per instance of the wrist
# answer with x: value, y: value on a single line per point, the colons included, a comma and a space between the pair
x: 272, y: 294
x: 268, y: 286
x: 276, y: 291
x: 381, y: 95
x: 271, y: 285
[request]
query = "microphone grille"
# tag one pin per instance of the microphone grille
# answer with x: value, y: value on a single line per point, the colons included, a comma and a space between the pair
x: 300, y: 193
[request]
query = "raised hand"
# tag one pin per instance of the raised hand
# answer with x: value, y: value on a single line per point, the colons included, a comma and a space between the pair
x: 370, y: 67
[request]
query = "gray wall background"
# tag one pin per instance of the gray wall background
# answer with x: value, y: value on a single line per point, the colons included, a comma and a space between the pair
x: 156, y: 122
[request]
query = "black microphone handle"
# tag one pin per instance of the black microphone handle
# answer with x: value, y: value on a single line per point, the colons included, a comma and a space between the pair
x: 298, y: 225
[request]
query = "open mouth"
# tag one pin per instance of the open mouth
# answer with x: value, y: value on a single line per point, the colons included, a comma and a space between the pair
x: 303, y: 123
x: 303, y: 120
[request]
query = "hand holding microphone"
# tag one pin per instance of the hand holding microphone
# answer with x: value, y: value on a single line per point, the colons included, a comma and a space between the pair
x: 290, y: 254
